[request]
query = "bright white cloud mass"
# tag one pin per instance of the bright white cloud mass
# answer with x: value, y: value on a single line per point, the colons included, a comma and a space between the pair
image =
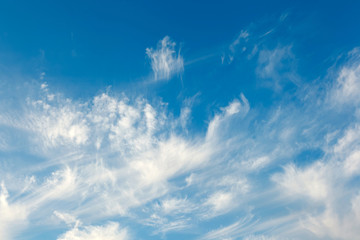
x: 119, y: 163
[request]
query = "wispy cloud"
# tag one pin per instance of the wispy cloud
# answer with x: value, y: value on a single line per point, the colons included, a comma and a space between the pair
x: 122, y: 157
x: 232, y: 231
x: 278, y: 66
x: 253, y: 38
x: 347, y: 87
x: 146, y: 156
x: 13, y: 215
x: 111, y: 231
x: 165, y: 60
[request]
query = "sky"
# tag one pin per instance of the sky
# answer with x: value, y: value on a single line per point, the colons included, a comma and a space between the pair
x: 204, y: 120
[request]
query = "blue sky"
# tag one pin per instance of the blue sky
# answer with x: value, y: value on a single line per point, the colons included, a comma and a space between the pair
x: 179, y: 120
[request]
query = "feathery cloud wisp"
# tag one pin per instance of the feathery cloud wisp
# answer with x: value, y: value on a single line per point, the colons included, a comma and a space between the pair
x: 165, y: 61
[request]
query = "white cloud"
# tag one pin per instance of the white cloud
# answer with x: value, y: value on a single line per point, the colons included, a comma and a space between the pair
x: 220, y: 203
x: 165, y: 61
x: 59, y: 123
x: 234, y: 182
x: 277, y: 65
x: 163, y: 225
x: 175, y: 206
x: 239, y: 42
x: 349, y: 141
x: 259, y: 237
x: 325, y: 182
x: 232, y: 231
x: 67, y: 218
x: 3, y: 144
x: 336, y: 224
x: 236, y: 107
x: 60, y: 185
x: 13, y: 216
x: 185, y: 112
x: 122, y: 158
x: 243, y: 35
x: 347, y: 87
x: 226, y: 196
x: 110, y: 231
x: 352, y: 163
x: 256, y: 163
x: 42, y: 75
x: 310, y: 182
